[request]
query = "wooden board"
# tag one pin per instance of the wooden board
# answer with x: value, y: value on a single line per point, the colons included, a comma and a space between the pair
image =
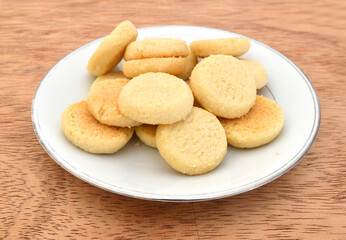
x: 40, y: 200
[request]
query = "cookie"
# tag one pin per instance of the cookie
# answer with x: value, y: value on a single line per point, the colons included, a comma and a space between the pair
x: 223, y: 86
x: 156, y: 98
x: 258, y: 70
x: 103, y: 102
x: 156, y: 48
x: 84, y: 131
x: 173, y: 65
x: 112, y: 48
x: 259, y: 126
x: 190, y: 61
x: 111, y: 75
x: 147, y: 134
x: 226, y: 46
x: 195, y: 145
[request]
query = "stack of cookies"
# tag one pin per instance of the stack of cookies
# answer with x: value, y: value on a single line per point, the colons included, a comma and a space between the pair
x: 189, y: 123
x: 155, y: 55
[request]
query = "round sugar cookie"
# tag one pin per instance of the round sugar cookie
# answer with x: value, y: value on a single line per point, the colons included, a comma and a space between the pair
x: 84, y: 131
x: 258, y: 70
x: 190, y: 61
x: 223, y: 86
x: 195, y: 145
x: 112, y: 48
x: 111, y: 75
x: 156, y: 48
x: 147, y: 134
x: 172, y: 65
x: 156, y: 98
x: 103, y: 102
x: 226, y: 46
x: 259, y: 126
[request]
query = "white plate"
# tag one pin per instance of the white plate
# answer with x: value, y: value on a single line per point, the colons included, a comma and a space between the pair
x: 139, y: 171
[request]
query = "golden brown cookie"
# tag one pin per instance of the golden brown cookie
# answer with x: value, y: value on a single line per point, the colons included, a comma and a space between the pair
x: 156, y: 48
x: 223, y: 86
x: 84, y: 131
x: 103, y: 102
x: 173, y: 66
x: 156, y: 98
x: 258, y: 70
x: 147, y: 134
x: 225, y: 46
x: 195, y: 145
x: 259, y: 126
x: 112, y: 48
x: 190, y: 61
x: 111, y: 75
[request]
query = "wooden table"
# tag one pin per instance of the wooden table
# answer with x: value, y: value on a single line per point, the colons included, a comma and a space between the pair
x: 40, y: 200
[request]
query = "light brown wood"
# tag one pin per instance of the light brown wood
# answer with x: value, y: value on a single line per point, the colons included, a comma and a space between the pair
x: 40, y: 200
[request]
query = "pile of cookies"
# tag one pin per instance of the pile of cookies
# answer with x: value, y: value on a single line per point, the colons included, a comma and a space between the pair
x: 189, y: 123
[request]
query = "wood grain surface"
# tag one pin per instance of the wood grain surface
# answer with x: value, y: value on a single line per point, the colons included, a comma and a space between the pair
x: 40, y: 200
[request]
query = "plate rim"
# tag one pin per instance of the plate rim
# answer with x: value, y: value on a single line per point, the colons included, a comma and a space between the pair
x: 184, y: 197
